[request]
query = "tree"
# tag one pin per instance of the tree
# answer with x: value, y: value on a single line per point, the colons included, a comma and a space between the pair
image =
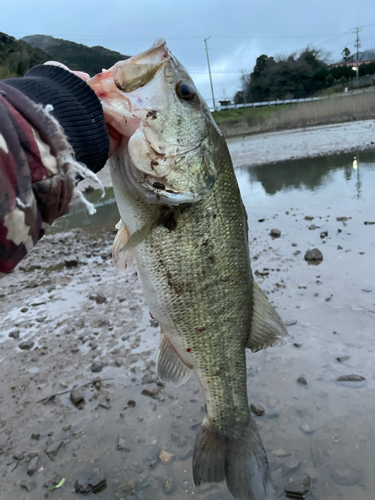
x: 346, y: 55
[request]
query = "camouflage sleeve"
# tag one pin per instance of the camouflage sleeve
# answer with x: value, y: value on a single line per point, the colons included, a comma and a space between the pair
x: 35, y: 184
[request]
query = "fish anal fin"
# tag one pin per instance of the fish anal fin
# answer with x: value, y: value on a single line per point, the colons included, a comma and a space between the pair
x: 122, y: 256
x: 267, y: 328
x: 170, y: 367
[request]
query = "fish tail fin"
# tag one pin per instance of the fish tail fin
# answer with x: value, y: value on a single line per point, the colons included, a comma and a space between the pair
x: 241, y: 461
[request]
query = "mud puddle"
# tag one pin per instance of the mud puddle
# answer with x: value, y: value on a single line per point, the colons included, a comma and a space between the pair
x: 138, y: 435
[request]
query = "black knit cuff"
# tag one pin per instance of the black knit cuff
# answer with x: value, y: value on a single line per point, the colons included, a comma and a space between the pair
x: 75, y: 106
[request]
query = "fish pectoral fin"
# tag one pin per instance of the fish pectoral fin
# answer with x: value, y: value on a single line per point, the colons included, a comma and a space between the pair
x: 169, y: 365
x: 267, y: 328
x: 122, y: 256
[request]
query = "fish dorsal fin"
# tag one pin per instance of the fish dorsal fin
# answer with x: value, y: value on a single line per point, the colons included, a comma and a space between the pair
x: 169, y: 366
x: 122, y: 256
x: 267, y: 328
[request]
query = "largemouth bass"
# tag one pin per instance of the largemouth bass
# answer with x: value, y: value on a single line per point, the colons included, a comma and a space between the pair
x: 185, y: 226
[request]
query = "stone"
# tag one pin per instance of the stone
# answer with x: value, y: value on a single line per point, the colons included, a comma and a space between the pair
x: 296, y: 344
x: 302, y: 380
x: 351, y: 378
x: 71, y: 262
x: 53, y: 481
x: 33, y: 466
x: 99, y: 299
x: 324, y: 234
x: 369, y: 223
x: 341, y: 219
x: 166, y: 457
x: 275, y: 233
x: 29, y: 486
x: 257, y: 409
x: 289, y: 467
x: 344, y: 476
x: 19, y: 456
x: 127, y: 488
x: 53, y: 450
x: 290, y: 322
x: 299, y: 488
x: 131, y: 403
x: 153, y: 392
x: 97, y: 366
x: 367, y: 290
x: 314, y: 255
x: 341, y: 359
x: 76, y: 395
x: 307, y: 429
x: 312, y: 227
x: 35, y: 435
x: 14, y: 334
x: 169, y: 486
x: 26, y: 345
x: 31, y: 455
x: 94, y: 482
x: 121, y: 445
x: 309, y: 217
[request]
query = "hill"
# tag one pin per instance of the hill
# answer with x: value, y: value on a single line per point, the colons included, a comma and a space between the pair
x: 75, y: 55
x: 17, y: 56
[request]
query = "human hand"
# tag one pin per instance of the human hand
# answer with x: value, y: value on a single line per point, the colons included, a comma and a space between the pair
x: 114, y: 135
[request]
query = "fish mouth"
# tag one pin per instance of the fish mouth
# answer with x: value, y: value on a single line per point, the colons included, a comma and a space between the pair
x: 156, y: 188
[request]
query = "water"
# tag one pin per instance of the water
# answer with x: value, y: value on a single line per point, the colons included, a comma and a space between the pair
x: 323, y: 429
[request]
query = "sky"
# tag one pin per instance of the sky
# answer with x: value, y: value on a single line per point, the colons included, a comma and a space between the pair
x: 240, y: 30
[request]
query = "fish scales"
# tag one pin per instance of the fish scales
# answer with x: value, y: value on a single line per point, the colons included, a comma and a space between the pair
x: 184, y: 224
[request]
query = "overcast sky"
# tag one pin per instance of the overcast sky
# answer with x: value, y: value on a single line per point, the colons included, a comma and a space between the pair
x: 241, y: 30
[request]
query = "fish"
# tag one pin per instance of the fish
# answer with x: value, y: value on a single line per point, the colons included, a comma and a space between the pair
x: 189, y: 240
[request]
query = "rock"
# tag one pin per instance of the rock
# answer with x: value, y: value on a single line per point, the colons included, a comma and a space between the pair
x: 94, y: 482
x: 71, y: 262
x: 291, y: 322
x: 53, y: 482
x: 367, y: 290
x: 121, y: 445
x: 289, y: 467
x: 28, y: 485
x: 169, y: 486
x: 281, y: 453
x: 309, y: 217
x: 261, y: 220
x: 341, y: 219
x: 33, y: 466
x: 298, y: 489
x: 257, y: 409
x: 341, y: 359
x: 26, y: 345
x: 31, y: 455
x: 351, y: 378
x: 307, y: 429
x: 15, y: 334
x: 339, y: 247
x: 294, y: 244
x: 127, y: 488
x: 97, y: 365
x: 275, y: 233
x: 324, y: 234
x: 99, y: 299
x: 296, y: 344
x: 76, y: 395
x: 53, y: 449
x: 35, y: 435
x: 344, y: 476
x: 313, y: 226
x: 24, y: 309
x: 166, y: 457
x: 314, y: 255
x: 302, y: 380
x: 131, y: 403
x: 118, y: 362
x: 369, y: 223
x: 105, y: 403
x: 153, y: 392
x: 317, y: 456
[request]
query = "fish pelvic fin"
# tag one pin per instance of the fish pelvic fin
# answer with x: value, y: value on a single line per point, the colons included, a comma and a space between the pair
x: 267, y: 328
x: 169, y: 365
x: 241, y: 461
x: 122, y: 256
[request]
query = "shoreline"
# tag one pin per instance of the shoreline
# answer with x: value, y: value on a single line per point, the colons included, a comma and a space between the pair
x: 294, y: 144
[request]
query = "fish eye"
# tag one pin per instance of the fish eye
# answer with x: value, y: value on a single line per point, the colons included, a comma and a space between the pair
x: 185, y: 91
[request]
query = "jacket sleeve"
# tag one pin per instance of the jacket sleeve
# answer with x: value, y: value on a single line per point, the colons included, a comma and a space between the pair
x: 51, y: 128
x: 35, y: 185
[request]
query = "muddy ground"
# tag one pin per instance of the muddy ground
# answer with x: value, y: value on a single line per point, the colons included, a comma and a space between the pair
x: 68, y: 320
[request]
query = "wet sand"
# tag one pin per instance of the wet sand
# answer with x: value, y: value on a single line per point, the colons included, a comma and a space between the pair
x: 138, y: 434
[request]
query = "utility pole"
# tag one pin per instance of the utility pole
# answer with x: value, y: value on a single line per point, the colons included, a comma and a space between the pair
x: 357, y: 45
x: 209, y: 71
x: 244, y: 88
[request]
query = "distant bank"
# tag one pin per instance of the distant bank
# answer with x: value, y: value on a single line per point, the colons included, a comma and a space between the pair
x: 334, y: 109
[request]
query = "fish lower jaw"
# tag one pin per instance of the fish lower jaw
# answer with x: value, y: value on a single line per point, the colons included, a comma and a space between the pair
x: 157, y: 190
